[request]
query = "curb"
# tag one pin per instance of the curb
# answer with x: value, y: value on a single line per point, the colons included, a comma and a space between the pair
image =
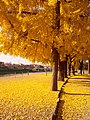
x: 54, y: 116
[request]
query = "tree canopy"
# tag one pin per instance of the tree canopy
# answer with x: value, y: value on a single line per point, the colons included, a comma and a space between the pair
x: 26, y: 28
x: 41, y: 30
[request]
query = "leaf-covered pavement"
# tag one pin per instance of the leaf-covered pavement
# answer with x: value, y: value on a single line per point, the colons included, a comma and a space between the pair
x: 75, y: 101
x: 27, y: 97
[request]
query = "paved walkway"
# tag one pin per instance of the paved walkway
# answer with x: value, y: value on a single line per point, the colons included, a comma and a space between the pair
x: 75, y: 101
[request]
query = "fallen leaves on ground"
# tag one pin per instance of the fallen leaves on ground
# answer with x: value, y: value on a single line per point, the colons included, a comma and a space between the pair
x: 27, y: 97
x: 75, y: 101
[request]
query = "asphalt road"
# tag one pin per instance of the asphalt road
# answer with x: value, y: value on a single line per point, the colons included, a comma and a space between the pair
x: 75, y: 101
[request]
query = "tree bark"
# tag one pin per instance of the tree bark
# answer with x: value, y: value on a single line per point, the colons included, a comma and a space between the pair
x: 65, y: 75
x: 70, y: 67
x: 88, y: 66
x: 81, y: 66
x: 61, y: 70
x: 73, y: 70
x: 65, y: 68
x: 57, y: 19
x: 55, y: 56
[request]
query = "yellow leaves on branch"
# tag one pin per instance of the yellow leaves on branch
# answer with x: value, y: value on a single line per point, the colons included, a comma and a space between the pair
x: 77, y: 11
x: 6, y: 2
x: 51, y: 2
x: 31, y: 26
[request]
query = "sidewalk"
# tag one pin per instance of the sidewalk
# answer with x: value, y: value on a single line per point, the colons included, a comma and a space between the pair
x: 75, y: 99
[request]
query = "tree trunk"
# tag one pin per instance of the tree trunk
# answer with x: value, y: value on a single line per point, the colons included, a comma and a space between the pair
x: 65, y: 68
x: 55, y: 54
x: 61, y: 70
x: 57, y: 20
x: 73, y: 70
x: 70, y: 67
x: 65, y: 75
x: 55, y: 57
x: 81, y: 66
x: 88, y: 66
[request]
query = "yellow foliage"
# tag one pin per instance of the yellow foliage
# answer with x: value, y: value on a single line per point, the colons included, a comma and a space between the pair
x: 51, y: 2
x: 6, y: 2
x: 25, y: 22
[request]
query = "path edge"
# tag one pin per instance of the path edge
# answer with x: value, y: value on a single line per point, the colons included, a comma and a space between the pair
x: 54, y: 115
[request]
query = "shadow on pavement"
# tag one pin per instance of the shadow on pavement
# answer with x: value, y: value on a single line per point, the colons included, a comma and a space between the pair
x: 81, y: 78
x: 75, y: 93
x: 60, y: 110
x: 81, y: 82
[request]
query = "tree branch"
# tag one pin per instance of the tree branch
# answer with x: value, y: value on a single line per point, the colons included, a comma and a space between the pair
x: 35, y: 40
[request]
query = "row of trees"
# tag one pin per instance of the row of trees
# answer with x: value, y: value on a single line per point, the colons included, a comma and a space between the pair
x: 50, y: 31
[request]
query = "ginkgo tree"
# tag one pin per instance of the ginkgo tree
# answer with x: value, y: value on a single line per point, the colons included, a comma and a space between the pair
x: 41, y: 30
x: 76, y: 22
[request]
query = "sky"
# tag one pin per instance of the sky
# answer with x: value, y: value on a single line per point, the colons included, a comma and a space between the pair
x: 14, y: 60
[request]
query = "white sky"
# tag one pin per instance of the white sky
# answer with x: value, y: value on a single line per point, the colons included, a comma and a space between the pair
x: 10, y: 59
